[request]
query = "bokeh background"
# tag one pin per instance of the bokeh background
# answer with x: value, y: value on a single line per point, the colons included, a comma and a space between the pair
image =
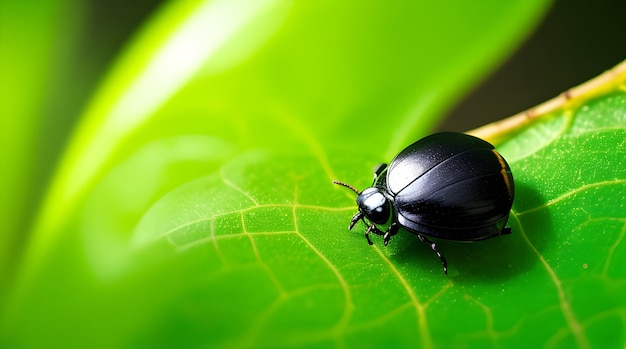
x: 577, y: 41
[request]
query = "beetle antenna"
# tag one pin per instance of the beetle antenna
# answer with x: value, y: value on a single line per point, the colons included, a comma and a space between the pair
x: 348, y: 186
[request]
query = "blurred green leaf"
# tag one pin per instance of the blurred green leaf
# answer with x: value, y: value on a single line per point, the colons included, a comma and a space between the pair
x: 30, y: 50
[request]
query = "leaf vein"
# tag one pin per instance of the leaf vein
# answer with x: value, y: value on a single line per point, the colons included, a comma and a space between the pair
x: 612, y: 249
x: 422, y: 328
x: 571, y: 193
x: 349, y: 305
x: 566, y: 309
x: 236, y: 187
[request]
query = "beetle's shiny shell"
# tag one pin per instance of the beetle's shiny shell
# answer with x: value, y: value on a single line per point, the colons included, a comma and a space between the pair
x: 450, y: 186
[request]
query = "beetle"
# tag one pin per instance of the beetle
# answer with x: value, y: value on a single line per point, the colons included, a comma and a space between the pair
x: 448, y: 185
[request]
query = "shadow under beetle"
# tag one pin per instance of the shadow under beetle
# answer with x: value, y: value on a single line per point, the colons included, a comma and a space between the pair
x: 449, y: 186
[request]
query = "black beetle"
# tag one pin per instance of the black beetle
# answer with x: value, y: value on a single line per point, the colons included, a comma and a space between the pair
x: 448, y: 185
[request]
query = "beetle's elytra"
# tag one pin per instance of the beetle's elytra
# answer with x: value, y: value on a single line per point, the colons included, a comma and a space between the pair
x: 448, y: 185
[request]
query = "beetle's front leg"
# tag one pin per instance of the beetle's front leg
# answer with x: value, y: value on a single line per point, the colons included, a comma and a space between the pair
x: 393, y: 230
x: 372, y: 229
x: 367, y: 234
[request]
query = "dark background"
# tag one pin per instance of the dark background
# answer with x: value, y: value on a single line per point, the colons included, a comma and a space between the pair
x: 575, y: 42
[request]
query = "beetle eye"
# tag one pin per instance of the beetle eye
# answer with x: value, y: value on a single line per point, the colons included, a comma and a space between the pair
x: 374, y: 205
x: 380, y: 214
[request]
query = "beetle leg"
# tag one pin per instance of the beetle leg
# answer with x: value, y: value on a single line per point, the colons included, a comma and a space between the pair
x: 379, y: 169
x: 359, y: 215
x: 393, y: 230
x: 434, y: 248
x: 372, y: 229
x: 367, y: 234
x: 506, y: 230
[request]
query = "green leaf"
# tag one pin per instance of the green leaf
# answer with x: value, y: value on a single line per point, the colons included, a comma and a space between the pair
x: 31, y: 50
x: 195, y: 205
x: 275, y: 255
x: 262, y: 243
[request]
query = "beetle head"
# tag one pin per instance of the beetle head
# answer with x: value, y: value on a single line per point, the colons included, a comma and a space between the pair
x: 374, y: 205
